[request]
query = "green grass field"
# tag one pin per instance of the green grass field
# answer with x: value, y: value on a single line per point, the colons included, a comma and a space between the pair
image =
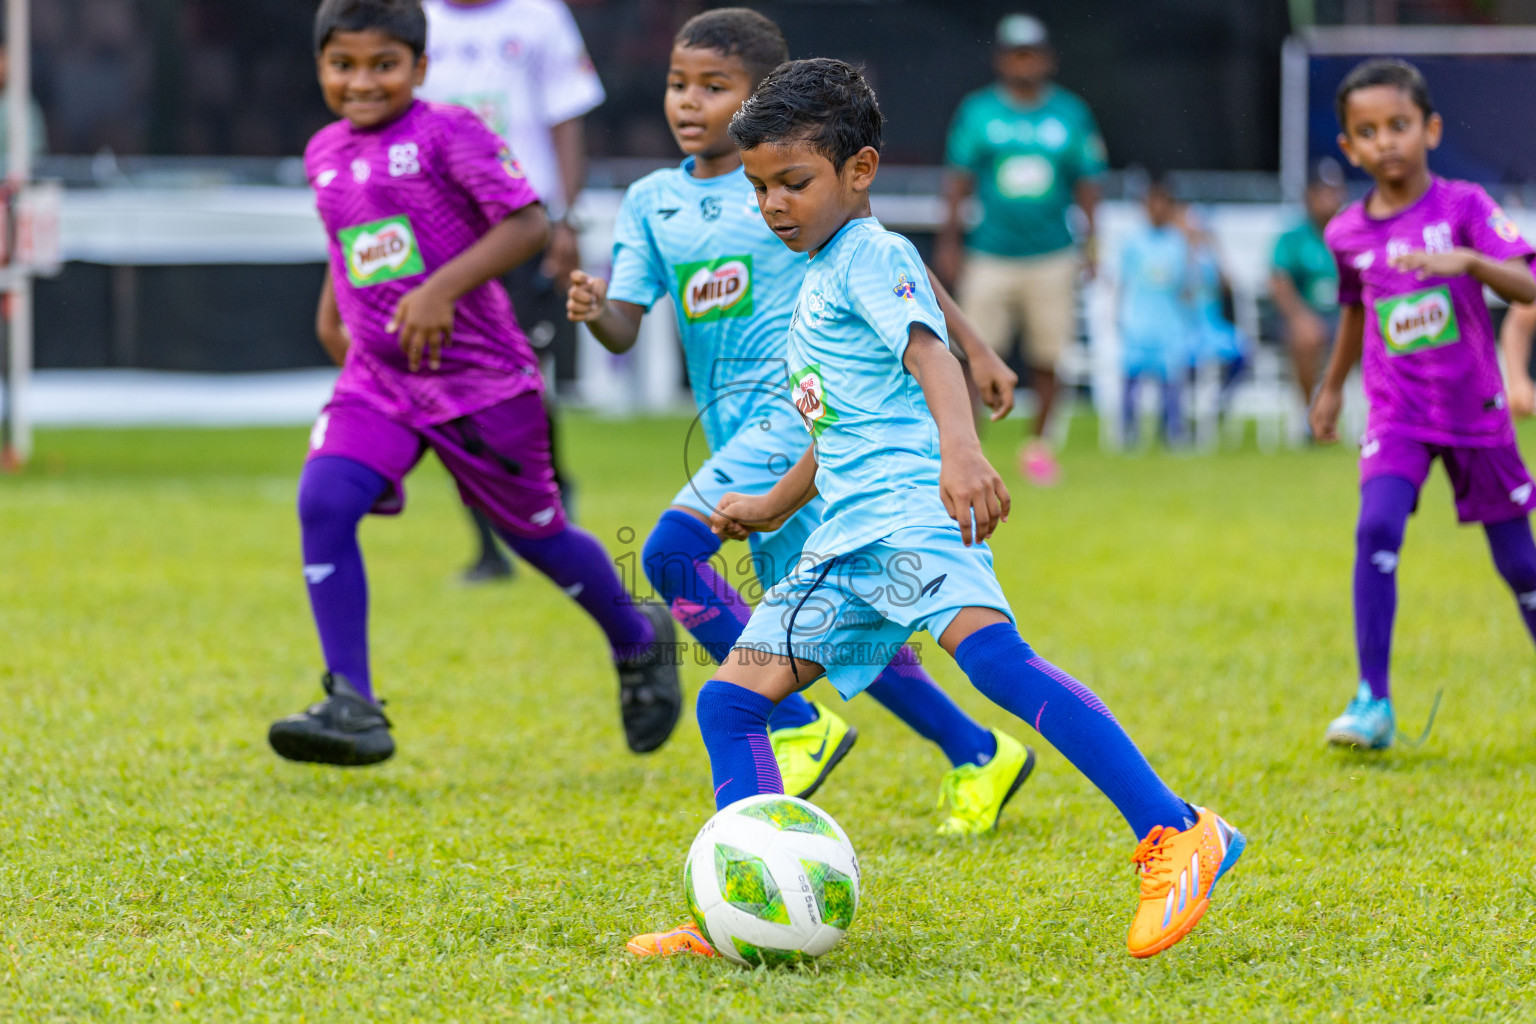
x: 157, y: 859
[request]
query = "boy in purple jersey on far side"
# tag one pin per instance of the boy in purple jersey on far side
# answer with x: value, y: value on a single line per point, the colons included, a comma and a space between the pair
x: 1414, y: 256
x: 425, y: 209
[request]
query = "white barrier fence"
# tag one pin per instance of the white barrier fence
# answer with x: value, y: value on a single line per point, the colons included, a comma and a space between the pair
x: 278, y: 225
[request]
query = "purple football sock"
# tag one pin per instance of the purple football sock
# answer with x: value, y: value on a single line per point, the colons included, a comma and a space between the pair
x: 578, y: 565
x: 334, y: 495
x: 734, y: 723
x: 1068, y: 714
x: 910, y: 693
x: 1514, y: 553
x: 676, y: 558
x: 1386, y: 502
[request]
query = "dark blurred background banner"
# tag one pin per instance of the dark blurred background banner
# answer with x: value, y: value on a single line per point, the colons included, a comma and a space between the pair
x: 1174, y: 83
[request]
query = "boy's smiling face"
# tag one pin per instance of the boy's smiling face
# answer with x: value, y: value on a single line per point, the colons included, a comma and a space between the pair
x: 804, y: 199
x: 704, y: 88
x: 368, y: 77
x: 1386, y: 134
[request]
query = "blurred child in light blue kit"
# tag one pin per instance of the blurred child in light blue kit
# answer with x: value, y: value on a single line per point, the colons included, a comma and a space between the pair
x: 1214, y: 338
x: 1156, y: 316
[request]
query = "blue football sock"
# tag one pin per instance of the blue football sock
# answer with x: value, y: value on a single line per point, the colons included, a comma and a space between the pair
x: 910, y: 693
x: 676, y: 558
x: 1074, y: 721
x: 734, y: 723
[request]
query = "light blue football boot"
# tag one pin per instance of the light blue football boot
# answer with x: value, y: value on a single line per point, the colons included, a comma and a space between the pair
x: 1367, y: 722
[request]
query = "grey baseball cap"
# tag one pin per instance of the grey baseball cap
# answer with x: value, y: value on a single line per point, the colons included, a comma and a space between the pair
x: 1021, y: 31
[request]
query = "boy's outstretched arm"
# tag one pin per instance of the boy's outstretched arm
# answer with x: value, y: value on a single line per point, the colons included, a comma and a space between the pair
x: 1515, y: 339
x: 993, y: 379
x: 740, y: 514
x: 1324, y: 415
x: 1511, y: 279
x: 615, y: 323
x: 424, y: 316
x: 328, y: 326
x: 970, y: 488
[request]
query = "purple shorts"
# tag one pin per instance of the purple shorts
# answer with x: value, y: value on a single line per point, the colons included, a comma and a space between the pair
x: 500, y: 457
x: 1490, y: 484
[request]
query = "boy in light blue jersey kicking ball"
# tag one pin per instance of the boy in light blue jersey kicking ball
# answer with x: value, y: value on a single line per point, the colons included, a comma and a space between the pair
x: 895, y: 457
x: 695, y: 232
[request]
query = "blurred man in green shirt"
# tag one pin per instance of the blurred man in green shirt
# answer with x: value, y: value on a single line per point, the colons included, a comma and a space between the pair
x: 1027, y: 149
x: 1304, y: 280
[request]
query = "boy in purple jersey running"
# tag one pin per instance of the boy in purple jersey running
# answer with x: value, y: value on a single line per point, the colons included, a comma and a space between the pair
x: 1414, y: 256
x: 425, y: 209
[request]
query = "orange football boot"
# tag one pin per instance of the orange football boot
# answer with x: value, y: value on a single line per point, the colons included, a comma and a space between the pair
x: 685, y: 938
x: 1178, y: 872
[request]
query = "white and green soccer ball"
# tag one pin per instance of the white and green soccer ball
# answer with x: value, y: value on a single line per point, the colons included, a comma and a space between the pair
x: 772, y: 880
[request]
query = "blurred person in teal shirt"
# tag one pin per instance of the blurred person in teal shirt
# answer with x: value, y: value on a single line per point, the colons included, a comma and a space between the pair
x: 1304, y: 280
x: 1028, y: 150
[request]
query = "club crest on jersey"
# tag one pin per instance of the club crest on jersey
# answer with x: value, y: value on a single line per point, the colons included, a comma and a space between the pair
x: 715, y: 289
x: 810, y: 396
x: 383, y: 250
x: 1418, y: 320
x: 905, y: 289
x: 360, y: 170
x: 709, y: 207
x: 404, y: 159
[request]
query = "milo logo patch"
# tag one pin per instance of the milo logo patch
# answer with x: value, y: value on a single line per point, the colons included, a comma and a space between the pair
x: 1418, y: 320
x: 810, y: 396
x: 384, y: 250
x: 715, y: 289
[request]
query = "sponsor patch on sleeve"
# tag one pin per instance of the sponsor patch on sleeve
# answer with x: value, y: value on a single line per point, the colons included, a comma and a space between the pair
x: 1503, y: 226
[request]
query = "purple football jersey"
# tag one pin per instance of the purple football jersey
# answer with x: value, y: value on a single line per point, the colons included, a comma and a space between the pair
x: 398, y: 202
x: 1430, y: 365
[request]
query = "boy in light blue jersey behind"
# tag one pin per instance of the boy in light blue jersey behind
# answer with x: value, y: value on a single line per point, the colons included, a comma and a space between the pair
x: 908, y: 492
x: 695, y: 232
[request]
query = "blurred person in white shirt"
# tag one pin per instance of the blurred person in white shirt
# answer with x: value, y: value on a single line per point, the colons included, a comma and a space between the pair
x: 522, y: 66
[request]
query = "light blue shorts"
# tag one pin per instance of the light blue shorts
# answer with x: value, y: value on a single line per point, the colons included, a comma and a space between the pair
x: 851, y: 614
x: 751, y: 463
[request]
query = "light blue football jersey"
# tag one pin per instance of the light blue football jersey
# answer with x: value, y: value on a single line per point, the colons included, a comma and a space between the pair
x: 877, y: 446
x: 703, y: 241
x: 1156, y: 317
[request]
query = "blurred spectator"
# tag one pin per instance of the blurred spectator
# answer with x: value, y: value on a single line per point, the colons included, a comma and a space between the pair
x: 522, y: 65
x: 1026, y: 148
x: 37, y: 131
x: 1305, y: 280
x: 1214, y: 338
x: 100, y: 77
x: 1515, y: 339
x: 1156, y: 319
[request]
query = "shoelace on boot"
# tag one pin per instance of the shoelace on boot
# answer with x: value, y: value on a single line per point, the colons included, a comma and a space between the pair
x: 1155, y: 860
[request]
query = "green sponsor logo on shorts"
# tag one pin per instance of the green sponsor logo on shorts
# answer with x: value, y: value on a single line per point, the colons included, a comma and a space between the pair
x: 715, y: 289
x: 1418, y: 320
x: 383, y: 250
x: 810, y: 396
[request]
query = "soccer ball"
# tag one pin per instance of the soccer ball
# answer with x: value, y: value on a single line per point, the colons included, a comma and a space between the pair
x: 772, y: 880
